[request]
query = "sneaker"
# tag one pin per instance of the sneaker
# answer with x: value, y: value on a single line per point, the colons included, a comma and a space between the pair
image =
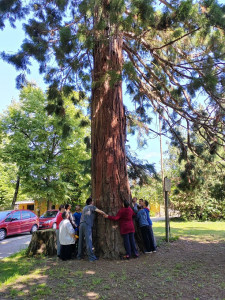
x: 94, y: 259
x: 147, y: 252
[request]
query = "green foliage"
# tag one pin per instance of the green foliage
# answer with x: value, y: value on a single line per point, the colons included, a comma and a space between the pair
x: 151, y: 192
x: 197, y: 184
x: 139, y: 171
x: 45, y: 149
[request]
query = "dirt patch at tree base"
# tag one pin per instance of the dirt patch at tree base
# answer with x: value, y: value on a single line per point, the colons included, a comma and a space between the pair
x: 184, y: 269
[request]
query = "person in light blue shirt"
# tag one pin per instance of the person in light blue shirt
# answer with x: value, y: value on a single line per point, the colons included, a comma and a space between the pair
x: 153, y: 241
x: 145, y: 229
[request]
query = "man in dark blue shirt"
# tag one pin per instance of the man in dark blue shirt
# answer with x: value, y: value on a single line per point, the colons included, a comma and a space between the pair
x: 77, y: 215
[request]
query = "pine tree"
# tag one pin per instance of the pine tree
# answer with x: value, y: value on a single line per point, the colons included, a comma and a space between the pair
x: 167, y: 52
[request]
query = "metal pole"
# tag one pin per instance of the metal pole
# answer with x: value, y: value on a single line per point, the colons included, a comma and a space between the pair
x: 161, y: 157
x: 167, y: 188
x: 167, y: 216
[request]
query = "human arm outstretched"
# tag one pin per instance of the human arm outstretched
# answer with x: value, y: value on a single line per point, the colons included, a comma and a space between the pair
x: 100, y: 211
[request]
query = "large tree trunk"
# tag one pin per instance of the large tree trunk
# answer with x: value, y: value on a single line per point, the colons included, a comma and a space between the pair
x: 110, y: 184
x: 16, y: 192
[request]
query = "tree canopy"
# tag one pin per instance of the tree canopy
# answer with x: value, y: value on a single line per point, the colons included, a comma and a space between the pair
x: 173, y: 55
x: 198, y: 186
x: 49, y: 165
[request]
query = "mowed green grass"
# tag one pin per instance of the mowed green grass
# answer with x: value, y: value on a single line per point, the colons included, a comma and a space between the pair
x: 210, y: 231
x: 19, y: 266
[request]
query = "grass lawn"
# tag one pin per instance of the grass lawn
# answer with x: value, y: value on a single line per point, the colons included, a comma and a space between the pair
x: 194, y: 230
x: 190, y: 267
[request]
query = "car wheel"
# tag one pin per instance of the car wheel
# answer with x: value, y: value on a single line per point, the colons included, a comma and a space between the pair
x: 34, y: 228
x: 2, y: 234
x: 54, y: 226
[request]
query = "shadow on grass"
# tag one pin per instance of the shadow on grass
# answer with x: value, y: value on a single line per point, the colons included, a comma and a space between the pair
x: 17, y: 265
x: 176, y: 271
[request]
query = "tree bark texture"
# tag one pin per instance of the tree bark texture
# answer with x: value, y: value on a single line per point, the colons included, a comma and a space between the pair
x: 110, y: 184
x: 43, y: 242
x: 16, y: 191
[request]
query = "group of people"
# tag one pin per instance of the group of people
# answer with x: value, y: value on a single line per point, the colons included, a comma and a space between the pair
x: 77, y: 228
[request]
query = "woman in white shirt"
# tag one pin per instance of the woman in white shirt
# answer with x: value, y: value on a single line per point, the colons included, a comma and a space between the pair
x: 66, y: 237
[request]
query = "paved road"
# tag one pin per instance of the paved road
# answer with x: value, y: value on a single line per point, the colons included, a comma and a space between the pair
x: 156, y: 219
x: 13, y: 244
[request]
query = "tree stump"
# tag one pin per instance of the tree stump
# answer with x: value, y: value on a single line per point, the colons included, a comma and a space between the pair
x: 43, y: 242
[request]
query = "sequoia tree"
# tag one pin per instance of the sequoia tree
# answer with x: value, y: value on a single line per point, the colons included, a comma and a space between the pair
x: 168, y: 53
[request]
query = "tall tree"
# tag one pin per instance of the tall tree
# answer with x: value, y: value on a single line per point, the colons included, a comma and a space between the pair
x: 7, y: 184
x: 168, y: 53
x: 198, y: 186
x: 34, y: 142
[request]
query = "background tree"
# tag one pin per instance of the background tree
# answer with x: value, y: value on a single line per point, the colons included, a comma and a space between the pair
x: 198, y: 184
x: 7, y: 184
x: 167, y: 52
x: 44, y: 158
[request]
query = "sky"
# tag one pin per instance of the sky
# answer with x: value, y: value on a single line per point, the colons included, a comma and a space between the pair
x: 10, y: 41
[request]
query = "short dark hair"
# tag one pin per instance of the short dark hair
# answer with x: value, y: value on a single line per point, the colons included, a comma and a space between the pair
x: 65, y: 215
x: 126, y: 203
x: 89, y: 200
x: 146, y: 202
x: 67, y: 205
x: 61, y: 206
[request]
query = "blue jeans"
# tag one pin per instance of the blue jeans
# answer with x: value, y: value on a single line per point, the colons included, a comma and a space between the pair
x: 85, y: 233
x: 129, y: 244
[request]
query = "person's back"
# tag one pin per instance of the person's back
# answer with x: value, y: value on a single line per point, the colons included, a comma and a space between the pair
x: 86, y: 223
x: 126, y: 214
x: 125, y: 218
x: 87, y: 215
x: 142, y: 218
x: 77, y: 215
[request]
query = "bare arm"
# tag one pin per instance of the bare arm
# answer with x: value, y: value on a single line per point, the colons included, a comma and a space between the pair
x: 100, y: 211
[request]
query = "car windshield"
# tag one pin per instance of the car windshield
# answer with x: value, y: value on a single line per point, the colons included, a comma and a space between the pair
x: 49, y: 214
x: 3, y: 214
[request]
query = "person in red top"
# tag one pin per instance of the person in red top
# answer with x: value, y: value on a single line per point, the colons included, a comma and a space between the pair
x: 125, y: 218
x: 58, y: 221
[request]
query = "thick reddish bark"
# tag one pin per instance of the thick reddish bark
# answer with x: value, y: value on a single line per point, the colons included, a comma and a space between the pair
x: 110, y: 184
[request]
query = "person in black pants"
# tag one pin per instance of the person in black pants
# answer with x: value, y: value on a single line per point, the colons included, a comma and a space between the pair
x: 147, y: 236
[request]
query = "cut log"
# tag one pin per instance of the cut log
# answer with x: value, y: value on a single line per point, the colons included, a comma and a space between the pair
x: 43, y: 242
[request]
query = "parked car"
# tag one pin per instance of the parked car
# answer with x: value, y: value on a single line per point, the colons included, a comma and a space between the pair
x: 48, y: 219
x: 17, y: 221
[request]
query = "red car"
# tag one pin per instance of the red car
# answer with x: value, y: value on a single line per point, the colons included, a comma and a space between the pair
x: 48, y: 219
x: 17, y: 221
